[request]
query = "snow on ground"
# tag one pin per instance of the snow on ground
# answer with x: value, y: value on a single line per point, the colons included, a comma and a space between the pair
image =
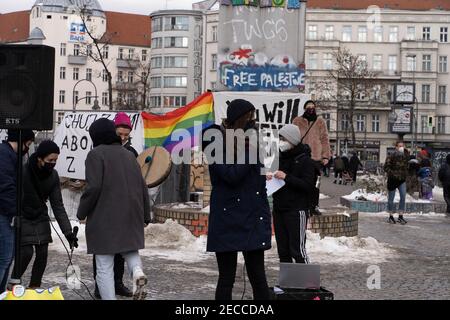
x: 406, y: 214
x: 361, y: 194
x: 323, y: 196
x: 172, y: 241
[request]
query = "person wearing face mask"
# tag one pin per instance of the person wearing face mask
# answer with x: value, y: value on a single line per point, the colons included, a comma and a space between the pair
x: 315, y: 135
x: 239, y: 219
x: 8, y: 197
x: 396, y: 168
x: 40, y: 183
x: 291, y: 203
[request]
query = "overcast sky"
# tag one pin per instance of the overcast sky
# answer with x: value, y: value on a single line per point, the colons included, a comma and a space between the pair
x: 132, y: 6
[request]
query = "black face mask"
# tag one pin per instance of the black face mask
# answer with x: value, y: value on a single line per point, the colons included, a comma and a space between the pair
x: 310, y: 114
x: 48, y: 167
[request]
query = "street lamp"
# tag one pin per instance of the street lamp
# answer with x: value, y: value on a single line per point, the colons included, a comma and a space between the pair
x: 75, y: 101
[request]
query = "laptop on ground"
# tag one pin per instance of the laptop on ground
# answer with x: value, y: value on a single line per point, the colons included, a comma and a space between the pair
x: 299, y: 276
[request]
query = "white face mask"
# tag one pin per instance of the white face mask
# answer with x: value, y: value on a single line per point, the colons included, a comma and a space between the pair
x: 285, y: 146
x: 401, y: 149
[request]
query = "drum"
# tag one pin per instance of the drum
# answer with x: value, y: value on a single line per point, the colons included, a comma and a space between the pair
x: 155, y: 163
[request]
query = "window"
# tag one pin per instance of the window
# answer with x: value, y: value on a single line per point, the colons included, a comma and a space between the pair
x: 441, y: 124
x: 378, y: 34
x: 424, y: 124
x: 130, y: 99
x: 130, y: 54
x: 157, y: 43
x: 155, y: 82
x: 105, y: 52
x: 213, y: 85
x: 62, y: 49
x: 60, y: 117
x: 360, y: 122
x: 327, y: 61
x: 345, y: 123
x: 214, y: 33
x: 176, y: 42
x: 426, y: 62
x: 144, y: 55
x: 444, y: 34
x: 76, y: 49
x: 442, y: 97
x: 121, y: 53
x: 175, y: 62
x: 62, y: 73
x: 75, y: 97
x: 362, y: 34
x: 327, y: 118
x: 426, y: 33
x: 120, y: 97
x: 426, y: 88
x: 175, y: 82
x: 393, y: 34
x: 375, y: 123
x: 89, y: 50
x: 130, y: 76
x: 411, y: 63
x: 443, y: 64
x: 104, y: 76
x: 347, y: 33
x: 76, y: 72
x: 88, y: 97
x: 312, y: 32
x: 392, y: 64
x: 377, y: 62
x: 120, y: 76
x: 411, y: 33
x: 214, y: 62
x: 174, y: 101
x: 177, y: 23
x: 105, y: 98
x: 155, y: 101
x: 157, y: 24
x: 62, y: 96
x: 89, y: 74
x: 376, y: 92
x: 156, y: 62
x: 312, y: 61
x: 329, y: 33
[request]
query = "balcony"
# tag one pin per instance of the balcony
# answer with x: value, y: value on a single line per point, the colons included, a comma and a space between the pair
x: 128, y: 63
x: 77, y: 60
x: 125, y: 86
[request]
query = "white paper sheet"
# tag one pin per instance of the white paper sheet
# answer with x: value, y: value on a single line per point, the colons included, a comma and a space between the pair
x: 274, y: 185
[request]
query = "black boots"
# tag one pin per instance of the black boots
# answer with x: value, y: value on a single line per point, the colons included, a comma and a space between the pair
x: 391, y: 220
x: 401, y: 220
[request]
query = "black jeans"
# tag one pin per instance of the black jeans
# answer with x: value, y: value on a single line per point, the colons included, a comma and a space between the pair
x: 119, y: 269
x: 254, y: 263
x: 290, y: 233
x: 39, y: 265
x: 447, y: 197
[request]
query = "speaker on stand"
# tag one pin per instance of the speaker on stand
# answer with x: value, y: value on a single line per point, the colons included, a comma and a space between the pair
x: 27, y: 74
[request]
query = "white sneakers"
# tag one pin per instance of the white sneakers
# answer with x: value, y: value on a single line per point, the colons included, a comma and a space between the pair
x: 139, y: 281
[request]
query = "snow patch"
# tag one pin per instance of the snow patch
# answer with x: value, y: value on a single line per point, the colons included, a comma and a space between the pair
x: 323, y: 196
x: 361, y: 194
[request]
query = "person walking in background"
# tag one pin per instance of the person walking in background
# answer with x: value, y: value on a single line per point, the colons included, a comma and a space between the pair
x: 8, y: 197
x: 354, y: 165
x: 425, y: 175
x: 239, y: 219
x: 339, y: 167
x: 412, y: 183
x: 40, y: 183
x: 444, y: 177
x: 396, y: 168
x: 315, y: 135
x: 291, y: 202
x: 116, y: 206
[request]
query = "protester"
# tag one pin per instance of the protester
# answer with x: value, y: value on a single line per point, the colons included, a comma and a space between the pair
x: 123, y: 129
x: 412, y: 183
x: 239, y: 219
x: 354, y: 165
x: 315, y: 135
x: 444, y: 177
x: 291, y: 203
x: 339, y: 167
x: 426, y: 179
x: 396, y: 168
x: 116, y: 205
x: 8, y: 197
x: 40, y: 183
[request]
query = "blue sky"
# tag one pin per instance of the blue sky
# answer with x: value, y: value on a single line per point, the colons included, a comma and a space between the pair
x: 131, y: 6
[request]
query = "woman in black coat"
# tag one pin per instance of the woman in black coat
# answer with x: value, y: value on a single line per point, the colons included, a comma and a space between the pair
x: 40, y: 183
x: 239, y: 217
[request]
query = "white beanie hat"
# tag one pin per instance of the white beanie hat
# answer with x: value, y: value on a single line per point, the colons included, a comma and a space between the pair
x: 291, y: 133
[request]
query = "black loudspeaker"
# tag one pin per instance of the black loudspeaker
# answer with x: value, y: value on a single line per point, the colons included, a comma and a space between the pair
x: 301, y: 294
x: 27, y: 76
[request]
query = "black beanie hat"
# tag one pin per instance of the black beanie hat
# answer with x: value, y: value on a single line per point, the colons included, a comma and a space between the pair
x: 238, y: 108
x: 27, y: 135
x: 103, y: 131
x: 47, y: 147
x: 309, y: 101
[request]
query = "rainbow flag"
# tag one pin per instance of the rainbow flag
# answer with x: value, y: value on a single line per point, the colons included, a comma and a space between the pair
x: 194, y: 117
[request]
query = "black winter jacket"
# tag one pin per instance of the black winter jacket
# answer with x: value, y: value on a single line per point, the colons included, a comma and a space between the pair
x: 444, y: 175
x: 8, y: 180
x: 301, y: 175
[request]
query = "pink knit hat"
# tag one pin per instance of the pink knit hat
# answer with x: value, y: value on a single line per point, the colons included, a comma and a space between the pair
x: 122, y: 119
